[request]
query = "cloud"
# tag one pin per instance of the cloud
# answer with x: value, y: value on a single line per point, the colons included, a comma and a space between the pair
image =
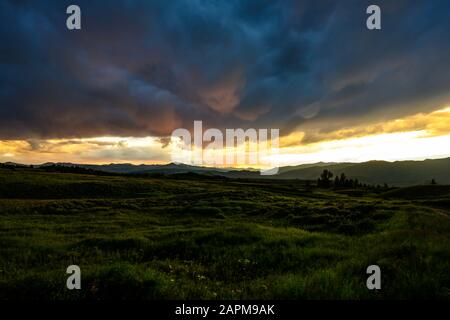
x: 92, y: 150
x: 418, y: 136
x: 144, y: 68
x: 431, y: 124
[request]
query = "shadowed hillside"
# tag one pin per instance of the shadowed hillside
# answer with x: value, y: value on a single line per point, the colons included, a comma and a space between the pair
x: 399, y: 173
x: 200, y: 237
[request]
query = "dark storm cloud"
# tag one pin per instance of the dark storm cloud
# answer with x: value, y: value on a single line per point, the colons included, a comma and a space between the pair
x: 141, y: 68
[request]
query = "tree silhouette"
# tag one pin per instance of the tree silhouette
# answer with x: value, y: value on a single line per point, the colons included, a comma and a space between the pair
x: 343, y: 180
x: 325, y: 178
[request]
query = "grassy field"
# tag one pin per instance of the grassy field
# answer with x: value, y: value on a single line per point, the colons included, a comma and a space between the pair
x: 212, y: 238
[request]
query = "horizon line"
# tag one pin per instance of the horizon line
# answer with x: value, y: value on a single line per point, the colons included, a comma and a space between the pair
x: 202, y: 166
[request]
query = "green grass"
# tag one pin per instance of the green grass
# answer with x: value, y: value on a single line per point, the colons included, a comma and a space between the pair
x: 209, y: 238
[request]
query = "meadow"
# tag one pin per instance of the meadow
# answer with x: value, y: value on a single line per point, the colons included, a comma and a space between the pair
x: 189, y: 236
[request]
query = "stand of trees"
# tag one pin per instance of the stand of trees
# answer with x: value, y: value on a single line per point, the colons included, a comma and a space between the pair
x: 343, y: 182
x: 340, y: 181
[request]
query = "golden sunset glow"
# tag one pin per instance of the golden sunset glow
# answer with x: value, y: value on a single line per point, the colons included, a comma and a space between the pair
x: 420, y: 136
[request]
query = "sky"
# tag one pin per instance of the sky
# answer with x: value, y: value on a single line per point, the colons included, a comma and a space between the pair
x: 115, y: 90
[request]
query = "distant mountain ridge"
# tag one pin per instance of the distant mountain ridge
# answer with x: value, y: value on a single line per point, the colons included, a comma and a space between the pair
x: 170, y: 168
x: 398, y: 173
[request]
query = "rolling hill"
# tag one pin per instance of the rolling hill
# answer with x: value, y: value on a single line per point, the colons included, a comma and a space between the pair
x: 398, y: 173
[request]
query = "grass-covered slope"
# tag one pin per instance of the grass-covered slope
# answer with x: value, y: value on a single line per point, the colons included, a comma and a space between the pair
x: 208, y: 238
